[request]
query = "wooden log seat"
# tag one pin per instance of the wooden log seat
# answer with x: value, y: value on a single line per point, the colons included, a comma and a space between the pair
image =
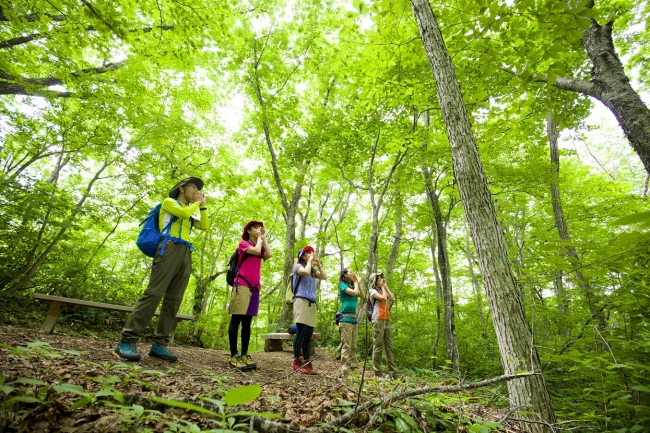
x: 57, y: 303
x: 273, y: 341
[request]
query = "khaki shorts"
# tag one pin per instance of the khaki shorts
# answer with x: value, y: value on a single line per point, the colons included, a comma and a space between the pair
x: 240, y: 297
x: 303, y: 313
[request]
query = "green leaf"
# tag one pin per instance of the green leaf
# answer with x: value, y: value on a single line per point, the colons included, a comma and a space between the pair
x: 242, y: 395
x: 6, y: 389
x: 104, y: 393
x: 28, y: 381
x: 68, y: 387
x: 42, y: 392
x: 618, y: 366
x: 81, y: 403
x: 589, y: 13
x: 38, y: 344
x: 641, y: 217
x: 641, y: 388
x: 249, y: 413
x: 401, y: 425
x: 24, y: 399
x: 139, y: 410
x: 182, y: 405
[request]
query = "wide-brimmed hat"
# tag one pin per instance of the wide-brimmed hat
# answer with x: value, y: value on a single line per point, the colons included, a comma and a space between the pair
x: 173, y: 193
x: 304, y: 250
x: 250, y: 224
x: 373, y: 277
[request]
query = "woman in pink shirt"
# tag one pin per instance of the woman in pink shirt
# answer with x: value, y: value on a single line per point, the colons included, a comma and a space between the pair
x: 245, y: 296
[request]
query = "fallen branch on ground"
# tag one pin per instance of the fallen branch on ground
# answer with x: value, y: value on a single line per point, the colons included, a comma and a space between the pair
x: 268, y: 426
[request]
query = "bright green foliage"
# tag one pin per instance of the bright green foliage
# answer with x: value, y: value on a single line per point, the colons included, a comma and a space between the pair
x: 107, y: 104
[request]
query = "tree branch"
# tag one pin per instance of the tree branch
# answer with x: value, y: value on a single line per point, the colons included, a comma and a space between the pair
x: 265, y: 425
x: 19, y: 89
x: 573, y: 85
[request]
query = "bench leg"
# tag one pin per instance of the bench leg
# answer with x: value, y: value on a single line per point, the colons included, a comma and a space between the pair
x: 52, y: 316
x: 273, y: 346
x: 171, y: 334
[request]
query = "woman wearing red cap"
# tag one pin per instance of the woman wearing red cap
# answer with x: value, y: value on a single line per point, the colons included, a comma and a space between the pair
x: 245, y: 296
x: 305, y: 273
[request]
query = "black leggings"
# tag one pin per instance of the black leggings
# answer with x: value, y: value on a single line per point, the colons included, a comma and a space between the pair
x: 302, y: 340
x: 245, y: 321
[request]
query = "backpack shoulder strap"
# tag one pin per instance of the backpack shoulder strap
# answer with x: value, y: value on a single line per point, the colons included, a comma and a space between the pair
x: 294, y: 287
x: 172, y: 220
x: 242, y: 258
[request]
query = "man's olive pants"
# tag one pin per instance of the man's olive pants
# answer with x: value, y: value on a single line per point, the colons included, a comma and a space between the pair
x: 169, y: 277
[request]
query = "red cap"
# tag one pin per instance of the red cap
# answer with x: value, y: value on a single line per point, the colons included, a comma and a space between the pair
x: 304, y: 250
x: 244, y: 235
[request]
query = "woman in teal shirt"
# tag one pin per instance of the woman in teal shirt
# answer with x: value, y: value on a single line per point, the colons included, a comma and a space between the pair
x: 349, y: 292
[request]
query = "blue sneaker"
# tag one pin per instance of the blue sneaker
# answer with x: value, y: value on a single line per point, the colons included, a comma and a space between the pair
x: 127, y: 351
x: 160, y: 351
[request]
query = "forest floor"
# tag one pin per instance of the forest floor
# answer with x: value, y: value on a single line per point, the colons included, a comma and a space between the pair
x: 94, y: 375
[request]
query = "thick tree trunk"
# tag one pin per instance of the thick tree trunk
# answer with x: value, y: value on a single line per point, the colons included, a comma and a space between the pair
x: 514, y: 335
x: 613, y: 88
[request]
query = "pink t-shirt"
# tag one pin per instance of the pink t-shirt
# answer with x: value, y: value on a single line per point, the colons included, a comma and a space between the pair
x: 249, y: 268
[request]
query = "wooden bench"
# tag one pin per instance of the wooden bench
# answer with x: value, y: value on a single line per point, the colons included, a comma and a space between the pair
x: 273, y: 341
x: 57, y: 303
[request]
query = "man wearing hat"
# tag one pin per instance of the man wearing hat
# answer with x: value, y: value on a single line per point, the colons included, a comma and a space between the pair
x: 382, y: 336
x: 245, y: 295
x: 170, y: 272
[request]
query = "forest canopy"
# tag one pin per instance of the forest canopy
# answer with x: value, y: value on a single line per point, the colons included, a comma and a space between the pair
x: 328, y: 121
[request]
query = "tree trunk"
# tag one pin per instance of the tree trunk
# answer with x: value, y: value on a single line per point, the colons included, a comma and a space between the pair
x: 290, y: 207
x: 438, y: 295
x: 513, y: 332
x: 611, y: 86
x: 445, y: 273
x: 475, y: 283
x: 560, y: 223
x: 397, y: 239
x: 286, y: 317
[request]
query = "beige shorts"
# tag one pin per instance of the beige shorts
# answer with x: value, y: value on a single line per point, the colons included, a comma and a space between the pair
x: 303, y: 313
x: 240, y: 297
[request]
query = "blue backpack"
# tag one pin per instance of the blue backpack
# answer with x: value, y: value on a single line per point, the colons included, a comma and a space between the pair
x: 151, y: 235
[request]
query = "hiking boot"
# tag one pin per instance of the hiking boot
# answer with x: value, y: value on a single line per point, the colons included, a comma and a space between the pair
x: 159, y: 351
x: 127, y: 351
x: 237, y: 362
x: 307, y: 368
x: 246, y: 359
x: 297, y: 363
